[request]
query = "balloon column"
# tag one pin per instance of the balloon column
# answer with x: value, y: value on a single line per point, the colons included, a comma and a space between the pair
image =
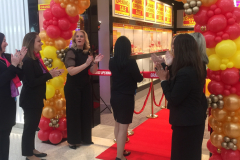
x: 60, y: 22
x: 218, y: 21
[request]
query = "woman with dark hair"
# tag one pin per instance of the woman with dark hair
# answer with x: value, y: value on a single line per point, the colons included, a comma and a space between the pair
x: 125, y: 75
x: 10, y: 76
x: 184, y: 93
x: 33, y: 92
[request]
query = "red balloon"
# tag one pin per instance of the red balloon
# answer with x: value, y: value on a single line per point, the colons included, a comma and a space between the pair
x: 216, y: 157
x: 73, y: 26
x: 225, y: 36
x: 64, y: 24
x: 217, y: 11
x: 230, y: 154
x: 201, y: 17
x: 55, y: 136
x: 44, y: 135
x: 211, y: 147
x: 73, y: 19
x: 236, y: 12
x: 216, y: 87
x: 53, y: 31
x: 210, y: 13
x: 44, y: 124
x: 230, y: 76
x: 210, y: 39
x: 62, y: 124
x: 52, y: 3
x: 66, y: 35
x: 233, y: 31
x: 58, y: 11
x: 237, y: 87
x: 64, y: 134
x: 213, y: 7
x: 47, y: 14
x: 217, y: 23
x: 225, y: 5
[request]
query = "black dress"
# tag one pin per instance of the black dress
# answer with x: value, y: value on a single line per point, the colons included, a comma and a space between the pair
x: 31, y: 101
x: 78, y: 100
x: 124, y: 85
x: 7, y: 104
x: 187, y: 114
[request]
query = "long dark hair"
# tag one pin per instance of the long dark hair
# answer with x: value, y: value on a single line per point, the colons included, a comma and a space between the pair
x: 1, y: 40
x: 186, y: 54
x: 122, y: 51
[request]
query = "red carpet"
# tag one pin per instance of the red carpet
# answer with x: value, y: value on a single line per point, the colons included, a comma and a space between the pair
x: 151, y: 140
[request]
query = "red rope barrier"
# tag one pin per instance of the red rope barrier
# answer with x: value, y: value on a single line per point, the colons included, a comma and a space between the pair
x: 145, y: 102
x: 158, y: 105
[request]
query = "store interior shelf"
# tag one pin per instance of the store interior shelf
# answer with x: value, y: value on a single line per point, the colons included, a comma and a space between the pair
x: 141, y: 56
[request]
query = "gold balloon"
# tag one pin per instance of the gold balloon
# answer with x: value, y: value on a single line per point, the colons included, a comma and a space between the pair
x: 186, y: 6
x: 199, y: 3
x: 216, y: 139
x: 219, y: 124
x: 203, y: 28
x: 231, y: 102
x: 234, y: 147
x: 214, y: 99
x: 57, y: 125
x: 60, y: 103
x: 50, y: 60
x: 230, y: 145
x: 224, y: 144
x: 45, y: 59
x: 235, y: 119
x: 58, y: 52
x: 232, y: 113
x: 72, y: 10
x: 84, y: 4
x: 63, y: 5
x: 60, y: 55
x: 57, y: 91
x: 219, y: 114
x: 195, y: 9
x: 47, y: 63
x: 214, y: 105
x: 220, y: 104
x: 215, y: 128
x: 60, y: 43
x: 193, y: 4
x: 220, y: 97
x: 54, y: 122
x: 50, y: 124
x: 51, y: 103
x: 208, y: 3
x: 209, y: 100
x: 227, y: 139
x: 232, y: 130
x: 50, y: 66
x: 219, y: 130
x: 56, y: 1
x: 49, y: 112
x: 43, y: 35
x: 228, y: 119
x: 219, y: 150
x: 62, y: 50
x: 212, y: 122
x: 234, y: 141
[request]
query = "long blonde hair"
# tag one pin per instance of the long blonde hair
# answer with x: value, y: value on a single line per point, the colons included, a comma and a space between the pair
x: 28, y: 42
x: 86, y: 46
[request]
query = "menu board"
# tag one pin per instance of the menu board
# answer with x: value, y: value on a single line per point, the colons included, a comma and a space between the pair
x: 188, y: 20
x: 168, y: 15
x: 150, y: 10
x: 122, y: 7
x: 159, y: 12
x: 138, y: 9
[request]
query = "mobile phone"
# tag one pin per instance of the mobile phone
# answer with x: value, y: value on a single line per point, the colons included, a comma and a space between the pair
x: 164, y: 65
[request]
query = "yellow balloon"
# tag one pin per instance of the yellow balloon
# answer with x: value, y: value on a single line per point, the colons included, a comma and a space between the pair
x: 210, y: 51
x: 216, y: 139
x: 207, y: 93
x: 236, y: 60
x: 232, y: 130
x: 226, y: 49
x: 57, y: 63
x: 50, y: 52
x: 237, y: 41
x: 219, y: 114
x: 230, y: 65
x: 223, y: 66
x: 50, y: 91
x: 214, y: 62
x: 44, y: 45
x: 57, y: 82
x: 208, y: 3
x: 231, y: 102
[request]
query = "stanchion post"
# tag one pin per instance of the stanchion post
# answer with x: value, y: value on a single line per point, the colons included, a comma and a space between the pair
x: 165, y: 105
x: 152, y: 115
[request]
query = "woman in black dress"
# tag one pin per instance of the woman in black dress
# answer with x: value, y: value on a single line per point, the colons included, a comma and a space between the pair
x: 10, y: 76
x: 78, y: 90
x: 125, y: 75
x: 184, y: 92
x: 33, y: 92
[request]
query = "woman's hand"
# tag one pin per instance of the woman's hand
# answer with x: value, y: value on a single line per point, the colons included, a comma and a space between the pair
x: 98, y: 58
x: 89, y: 60
x: 161, y: 73
x: 15, y: 59
x: 56, y: 72
x: 169, y: 58
x: 23, y: 53
x: 157, y: 59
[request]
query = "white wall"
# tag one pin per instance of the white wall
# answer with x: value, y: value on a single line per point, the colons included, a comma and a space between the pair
x: 104, y: 48
x: 14, y: 24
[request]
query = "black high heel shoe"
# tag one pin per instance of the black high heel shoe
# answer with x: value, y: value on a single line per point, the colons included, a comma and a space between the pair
x: 73, y: 146
x: 40, y: 155
x: 28, y: 159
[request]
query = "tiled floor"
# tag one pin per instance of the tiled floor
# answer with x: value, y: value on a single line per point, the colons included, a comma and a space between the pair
x: 102, y: 137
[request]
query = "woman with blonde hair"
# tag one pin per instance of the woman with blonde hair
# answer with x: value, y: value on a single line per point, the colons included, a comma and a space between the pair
x: 33, y: 92
x: 77, y: 90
